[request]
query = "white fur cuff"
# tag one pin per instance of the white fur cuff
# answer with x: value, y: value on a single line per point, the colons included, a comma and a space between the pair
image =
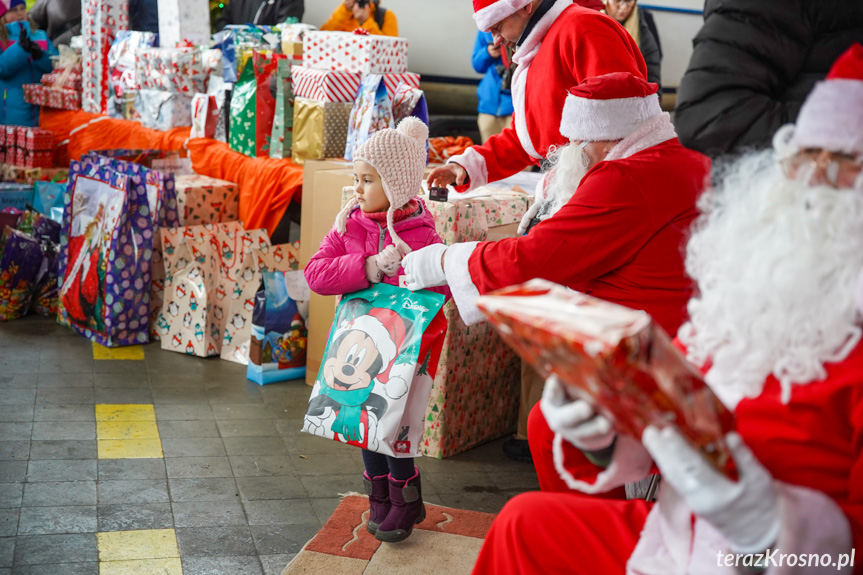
x: 461, y: 285
x: 474, y: 164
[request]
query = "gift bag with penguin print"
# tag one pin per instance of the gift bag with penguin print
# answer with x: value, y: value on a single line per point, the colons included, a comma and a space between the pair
x: 379, y: 363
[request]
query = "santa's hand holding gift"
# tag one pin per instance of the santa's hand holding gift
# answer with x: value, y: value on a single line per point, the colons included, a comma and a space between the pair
x: 776, y: 256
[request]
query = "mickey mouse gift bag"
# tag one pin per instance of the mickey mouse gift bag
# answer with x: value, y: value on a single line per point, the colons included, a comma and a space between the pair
x: 374, y: 382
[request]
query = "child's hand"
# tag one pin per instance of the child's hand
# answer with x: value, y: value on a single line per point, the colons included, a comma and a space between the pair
x: 389, y: 260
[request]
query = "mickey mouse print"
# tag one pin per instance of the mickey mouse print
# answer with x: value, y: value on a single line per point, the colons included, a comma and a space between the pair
x: 373, y: 385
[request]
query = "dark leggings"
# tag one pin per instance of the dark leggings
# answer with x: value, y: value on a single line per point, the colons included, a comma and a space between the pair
x: 378, y: 464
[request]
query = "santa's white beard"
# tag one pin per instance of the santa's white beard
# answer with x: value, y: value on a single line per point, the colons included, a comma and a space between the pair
x: 776, y: 264
x: 567, y: 166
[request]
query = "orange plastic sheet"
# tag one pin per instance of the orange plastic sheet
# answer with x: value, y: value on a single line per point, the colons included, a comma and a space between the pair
x: 266, y: 185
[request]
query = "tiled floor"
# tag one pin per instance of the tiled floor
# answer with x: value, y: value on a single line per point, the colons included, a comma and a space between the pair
x: 238, y: 492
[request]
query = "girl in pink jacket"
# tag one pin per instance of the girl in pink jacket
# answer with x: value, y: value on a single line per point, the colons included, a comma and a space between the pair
x: 382, y: 222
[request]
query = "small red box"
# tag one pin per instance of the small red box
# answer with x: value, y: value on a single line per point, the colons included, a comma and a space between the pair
x: 37, y: 139
x: 41, y: 159
x: 19, y: 157
x: 11, y: 136
x: 21, y: 136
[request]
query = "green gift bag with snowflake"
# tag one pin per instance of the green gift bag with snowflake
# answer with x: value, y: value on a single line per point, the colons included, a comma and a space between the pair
x: 253, y: 106
x: 379, y: 364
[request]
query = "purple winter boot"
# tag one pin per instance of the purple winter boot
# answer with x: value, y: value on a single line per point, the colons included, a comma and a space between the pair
x: 406, y: 509
x: 379, y: 500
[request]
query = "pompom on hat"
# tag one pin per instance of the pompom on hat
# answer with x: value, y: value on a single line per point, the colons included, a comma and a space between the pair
x: 831, y: 118
x: 399, y: 156
x: 608, y: 107
x: 487, y: 13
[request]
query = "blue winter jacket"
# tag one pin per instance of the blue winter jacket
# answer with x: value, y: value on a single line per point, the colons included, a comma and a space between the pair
x: 17, y: 68
x: 491, y: 99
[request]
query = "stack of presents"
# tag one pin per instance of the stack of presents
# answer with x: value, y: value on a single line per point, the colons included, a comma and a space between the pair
x: 131, y: 246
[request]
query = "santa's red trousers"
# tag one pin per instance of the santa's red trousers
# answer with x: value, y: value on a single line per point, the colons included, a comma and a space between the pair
x: 558, y: 530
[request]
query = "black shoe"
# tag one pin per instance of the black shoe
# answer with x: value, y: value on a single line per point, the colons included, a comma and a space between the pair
x: 517, y: 449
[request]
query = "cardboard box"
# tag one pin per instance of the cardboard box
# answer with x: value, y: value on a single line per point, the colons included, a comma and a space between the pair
x: 326, y: 200
x: 308, y: 242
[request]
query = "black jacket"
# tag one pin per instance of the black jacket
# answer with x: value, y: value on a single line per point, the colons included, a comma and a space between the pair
x: 61, y: 19
x: 754, y: 62
x: 272, y: 12
x: 648, y: 43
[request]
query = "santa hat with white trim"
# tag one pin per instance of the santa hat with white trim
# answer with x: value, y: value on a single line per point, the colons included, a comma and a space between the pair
x: 608, y: 107
x: 487, y: 13
x: 831, y: 118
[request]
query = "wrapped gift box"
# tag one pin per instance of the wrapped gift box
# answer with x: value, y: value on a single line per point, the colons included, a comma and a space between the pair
x: 348, y: 52
x: 184, y: 20
x: 31, y: 159
x: 320, y: 129
x: 100, y: 22
x: 35, y: 139
x: 202, y: 200
x: 171, y: 69
x: 63, y: 79
x: 325, y: 85
x: 160, y: 110
x: 60, y: 98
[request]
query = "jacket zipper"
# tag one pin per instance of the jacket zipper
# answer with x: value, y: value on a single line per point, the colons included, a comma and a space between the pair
x: 381, y: 239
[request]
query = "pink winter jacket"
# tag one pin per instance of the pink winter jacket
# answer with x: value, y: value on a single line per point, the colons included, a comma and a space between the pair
x: 339, y: 265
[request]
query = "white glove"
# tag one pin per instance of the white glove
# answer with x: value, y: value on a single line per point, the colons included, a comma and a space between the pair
x: 389, y: 260
x: 746, y: 512
x: 576, y: 421
x: 423, y: 267
x: 528, y: 217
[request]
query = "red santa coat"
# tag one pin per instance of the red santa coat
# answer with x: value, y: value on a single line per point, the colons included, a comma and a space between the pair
x: 568, y: 45
x: 618, y: 238
x: 812, y: 446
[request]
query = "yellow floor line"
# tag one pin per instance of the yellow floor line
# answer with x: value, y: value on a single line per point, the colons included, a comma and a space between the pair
x: 136, y: 552
x: 127, y: 432
x: 135, y: 352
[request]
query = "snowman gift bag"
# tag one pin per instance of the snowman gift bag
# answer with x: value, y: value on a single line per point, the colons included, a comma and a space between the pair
x: 378, y: 368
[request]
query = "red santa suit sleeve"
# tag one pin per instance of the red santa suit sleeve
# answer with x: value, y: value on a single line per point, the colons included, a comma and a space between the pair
x: 604, y: 225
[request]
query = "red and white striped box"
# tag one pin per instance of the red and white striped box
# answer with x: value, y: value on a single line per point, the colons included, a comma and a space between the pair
x: 392, y: 81
x: 35, y: 139
x: 324, y: 85
x: 348, y: 52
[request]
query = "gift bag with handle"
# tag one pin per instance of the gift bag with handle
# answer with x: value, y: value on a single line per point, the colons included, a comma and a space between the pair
x: 372, y: 111
x: 378, y: 368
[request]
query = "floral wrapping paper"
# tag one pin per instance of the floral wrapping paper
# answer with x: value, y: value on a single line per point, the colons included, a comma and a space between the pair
x: 320, y: 129
x: 159, y: 110
x: 184, y: 20
x: 201, y: 268
x: 100, y: 22
x: 264, y: 258
x: 204, y: 200
x: 104, y: 271
x: 348, y: 52
x: 283, y: 119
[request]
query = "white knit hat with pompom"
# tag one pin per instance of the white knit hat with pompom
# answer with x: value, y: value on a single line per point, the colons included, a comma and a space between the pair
x: 399, y: 156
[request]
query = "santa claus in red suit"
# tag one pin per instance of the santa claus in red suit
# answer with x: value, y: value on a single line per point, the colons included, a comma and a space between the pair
x: 617, y: 206
x: 777, y: 256
x: 558, y: 44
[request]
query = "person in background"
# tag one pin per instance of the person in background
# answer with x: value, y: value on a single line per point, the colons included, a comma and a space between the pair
x: 144, y: 15
x: 495, y: 98
x: 640, y: 25
x: 26, y: 55
x: 752, y: 65
x: 266, y: 12
x: 61, y: 19
x: 366, y: 14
